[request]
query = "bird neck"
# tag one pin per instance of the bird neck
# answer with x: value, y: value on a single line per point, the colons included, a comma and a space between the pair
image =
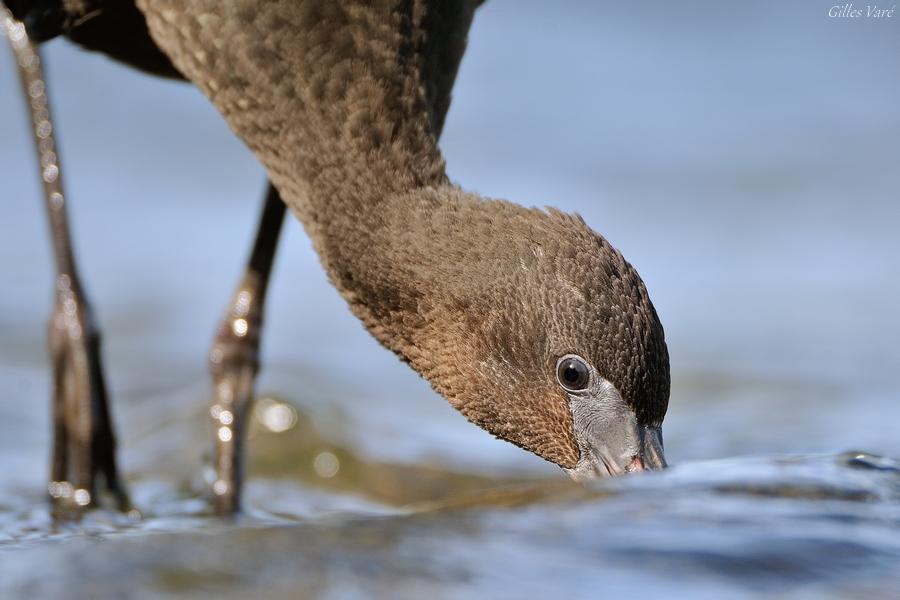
x: 386, y: 251
x: 335, y: 101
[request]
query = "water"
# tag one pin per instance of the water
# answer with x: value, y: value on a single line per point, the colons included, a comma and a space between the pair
x: 744, y: 159
x: 791, y: 527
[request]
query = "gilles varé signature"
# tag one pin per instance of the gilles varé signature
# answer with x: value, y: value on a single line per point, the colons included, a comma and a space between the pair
x: 871, y: 11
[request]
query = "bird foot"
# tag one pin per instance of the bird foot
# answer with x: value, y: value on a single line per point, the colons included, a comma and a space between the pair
x: 83, y: 473
x: 234, y: 364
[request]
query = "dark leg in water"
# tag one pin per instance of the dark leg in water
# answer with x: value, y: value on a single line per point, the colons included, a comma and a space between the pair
x: 234, y: 359
x: 83, y: 442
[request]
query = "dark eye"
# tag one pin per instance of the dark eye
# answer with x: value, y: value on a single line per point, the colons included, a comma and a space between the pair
x: 572, y: 373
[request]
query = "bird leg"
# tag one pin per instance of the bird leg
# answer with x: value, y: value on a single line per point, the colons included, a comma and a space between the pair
x: 234, y: 359
x: 83, y: 440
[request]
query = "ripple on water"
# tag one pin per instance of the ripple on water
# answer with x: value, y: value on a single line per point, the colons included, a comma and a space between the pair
x: 821, y: 526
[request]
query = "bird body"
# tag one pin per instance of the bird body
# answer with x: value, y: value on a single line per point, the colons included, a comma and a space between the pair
x: 526, y: 320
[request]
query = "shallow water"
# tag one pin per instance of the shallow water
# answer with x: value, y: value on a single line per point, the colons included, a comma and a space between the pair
x: 799, y: 527
x: 744, y: 159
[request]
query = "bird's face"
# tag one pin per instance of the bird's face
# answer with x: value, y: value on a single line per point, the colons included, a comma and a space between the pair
x: 562, y: 353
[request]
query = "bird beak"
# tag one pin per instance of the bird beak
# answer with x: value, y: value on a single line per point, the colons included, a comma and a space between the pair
x: 651, y: 456
x: 605, y: 461
x: 610, y: 439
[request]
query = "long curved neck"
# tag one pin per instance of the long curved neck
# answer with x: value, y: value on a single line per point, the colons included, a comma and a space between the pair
x: 343, y: 103
x: 329, y: 95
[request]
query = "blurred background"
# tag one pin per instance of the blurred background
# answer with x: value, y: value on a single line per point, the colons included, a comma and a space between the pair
x: 743, y: 156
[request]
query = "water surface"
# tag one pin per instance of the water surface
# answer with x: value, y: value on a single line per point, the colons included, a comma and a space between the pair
x: 745, y: 160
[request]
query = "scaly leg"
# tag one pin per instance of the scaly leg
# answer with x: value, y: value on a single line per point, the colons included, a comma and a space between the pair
x: 83, y: 441
x: 234, y: 359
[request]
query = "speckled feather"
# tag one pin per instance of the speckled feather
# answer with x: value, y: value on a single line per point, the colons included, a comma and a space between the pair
x: 343, y: 103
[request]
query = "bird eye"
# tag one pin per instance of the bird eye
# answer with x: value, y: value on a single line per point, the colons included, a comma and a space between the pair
x: 572, y: 373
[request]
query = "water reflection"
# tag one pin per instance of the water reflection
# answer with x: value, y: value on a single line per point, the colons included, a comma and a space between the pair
x: 326, y: 464
x: 275, y: 415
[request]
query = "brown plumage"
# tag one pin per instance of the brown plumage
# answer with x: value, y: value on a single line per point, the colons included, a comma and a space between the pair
x: 343, y: 103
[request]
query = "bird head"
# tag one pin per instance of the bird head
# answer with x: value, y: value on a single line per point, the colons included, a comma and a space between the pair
x: 543, y: 334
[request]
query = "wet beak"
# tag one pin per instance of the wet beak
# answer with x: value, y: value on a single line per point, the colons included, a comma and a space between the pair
x: 651, y: 456
x: 610, y: 439
x: 606, y: 461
